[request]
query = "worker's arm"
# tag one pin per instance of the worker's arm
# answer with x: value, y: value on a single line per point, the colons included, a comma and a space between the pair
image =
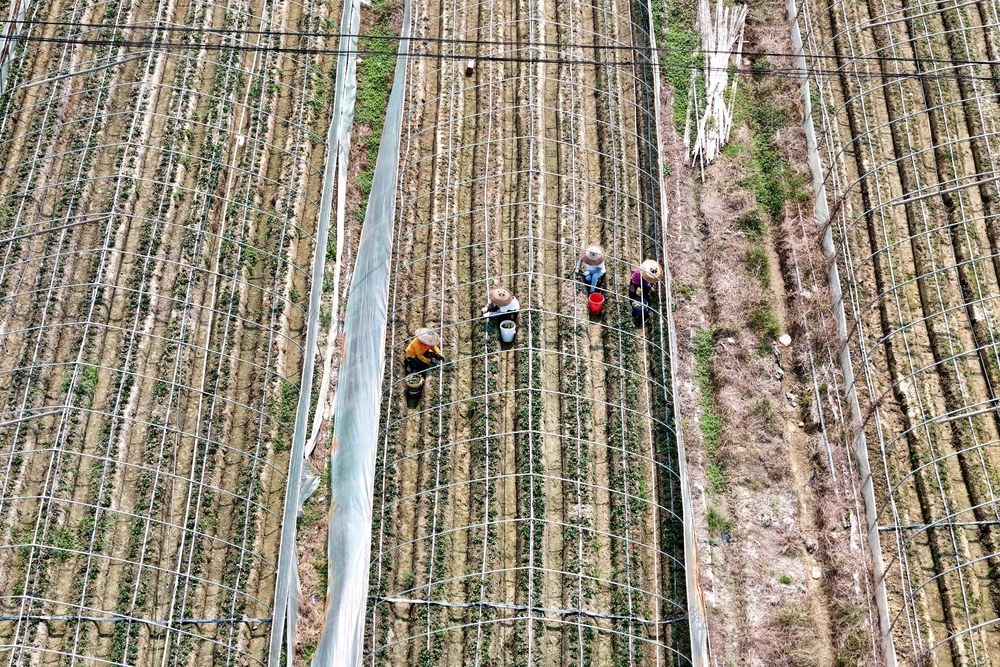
x: 434, y: 353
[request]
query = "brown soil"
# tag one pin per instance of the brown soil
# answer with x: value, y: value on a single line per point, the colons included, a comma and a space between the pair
x: 532, y: 484
x: 159, y: 323
x: 919, y: 239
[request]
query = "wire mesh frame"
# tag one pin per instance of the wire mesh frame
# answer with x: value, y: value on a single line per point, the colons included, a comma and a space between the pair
x: 496, y: 413
x: 141, y: 440
x: 917, y: 241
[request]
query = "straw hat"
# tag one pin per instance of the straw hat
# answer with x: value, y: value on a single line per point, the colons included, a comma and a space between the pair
x: 593, y: 255
x: 651, y: 271
x: 501, y: 296
x: 427, y: 336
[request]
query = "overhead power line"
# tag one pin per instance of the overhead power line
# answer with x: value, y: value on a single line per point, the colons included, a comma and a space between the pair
x: 663, y: 51
x: 941, y: 68
x: 240, y: 32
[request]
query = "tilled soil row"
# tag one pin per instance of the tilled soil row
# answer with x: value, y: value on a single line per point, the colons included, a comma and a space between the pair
x: 149, y: 329
x: 918, y: 241
x: 526, y: 506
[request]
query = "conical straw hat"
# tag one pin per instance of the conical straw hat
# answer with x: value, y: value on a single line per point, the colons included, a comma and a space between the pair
x: 501, y: 296
x: 651, y: 271
x: 593, y: 255
x: 427, y: 336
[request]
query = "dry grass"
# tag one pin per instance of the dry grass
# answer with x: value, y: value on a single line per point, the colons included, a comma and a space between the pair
x: 779, y: 496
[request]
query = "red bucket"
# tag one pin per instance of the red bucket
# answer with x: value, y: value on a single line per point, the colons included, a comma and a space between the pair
x: 595, y: 303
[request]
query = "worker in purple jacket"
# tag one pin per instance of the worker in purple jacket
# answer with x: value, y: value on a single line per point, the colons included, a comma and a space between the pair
x: 640, y: 286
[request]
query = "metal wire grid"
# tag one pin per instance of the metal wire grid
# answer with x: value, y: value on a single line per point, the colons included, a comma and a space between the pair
x: 463, y: 567
x: 154, y: 221
x: 912, y: 168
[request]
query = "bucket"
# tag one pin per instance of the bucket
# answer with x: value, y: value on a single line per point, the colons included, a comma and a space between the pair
x: 595, y: 303
x: 414, y: 384
x: 507, y: 331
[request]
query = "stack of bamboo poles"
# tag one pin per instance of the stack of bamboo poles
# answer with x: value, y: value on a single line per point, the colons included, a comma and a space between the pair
x: 721, y: 36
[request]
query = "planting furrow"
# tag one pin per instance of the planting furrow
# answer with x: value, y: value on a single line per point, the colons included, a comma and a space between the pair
x: 919, y: 250
x: 519, y: 501
x: 152, y: 330
x: 54, y: 522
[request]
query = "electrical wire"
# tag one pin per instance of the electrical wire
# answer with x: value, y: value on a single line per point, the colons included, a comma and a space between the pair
x: 945, y: 71
x: 450, y: 41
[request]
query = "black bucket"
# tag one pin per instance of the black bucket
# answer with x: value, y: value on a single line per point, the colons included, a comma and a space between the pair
x: 414, y: 385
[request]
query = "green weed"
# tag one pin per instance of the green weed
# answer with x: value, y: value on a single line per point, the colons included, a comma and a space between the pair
x: 716, y: 478
x: 793, y: 617
x: 374, y: 79
x: 703, y: 346
x: 61, y: 541
x: 287, y: 404
x: 752, y: 225
x: 764, y: 321
x: 682, y: 58
x: 757, y: 266
x: 87, y: 382
x: 683, y: 290
x: 718, y: 523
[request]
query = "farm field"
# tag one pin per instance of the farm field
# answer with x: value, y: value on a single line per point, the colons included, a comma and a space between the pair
x: 791, y: 460
x: 528, y: 506
x: 156, y: 218
x: 908, y: 141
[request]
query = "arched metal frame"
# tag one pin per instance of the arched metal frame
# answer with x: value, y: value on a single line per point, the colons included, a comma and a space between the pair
x: 156, y: 231
x: 909, y: 147
x: 506, y: 175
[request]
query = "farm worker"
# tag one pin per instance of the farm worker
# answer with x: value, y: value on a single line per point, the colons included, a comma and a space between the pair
x: 592, y: 264
x: 501, y: 305
x: 640, y: 286
x: 422, y: 351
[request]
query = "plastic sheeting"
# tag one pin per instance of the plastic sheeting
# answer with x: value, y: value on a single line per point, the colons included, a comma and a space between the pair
x: 338, y: 143
x: 337, y: 163
x: 822, y: 213
x: 8, y: 40
x: 697, y: 620
x: 359, y: 399
x: 299, y: 487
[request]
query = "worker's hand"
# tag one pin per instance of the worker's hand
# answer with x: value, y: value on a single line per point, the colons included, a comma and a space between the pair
x: 486, y: 309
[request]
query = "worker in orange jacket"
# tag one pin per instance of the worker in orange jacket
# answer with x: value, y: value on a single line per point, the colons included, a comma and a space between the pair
x: 423, y: 351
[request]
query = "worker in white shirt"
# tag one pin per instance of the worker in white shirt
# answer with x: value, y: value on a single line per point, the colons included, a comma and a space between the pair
x: 501, y: 305
x: 591, y: 266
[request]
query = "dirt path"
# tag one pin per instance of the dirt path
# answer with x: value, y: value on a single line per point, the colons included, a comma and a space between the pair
x: 778, y: 517
x: 524, y: 494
